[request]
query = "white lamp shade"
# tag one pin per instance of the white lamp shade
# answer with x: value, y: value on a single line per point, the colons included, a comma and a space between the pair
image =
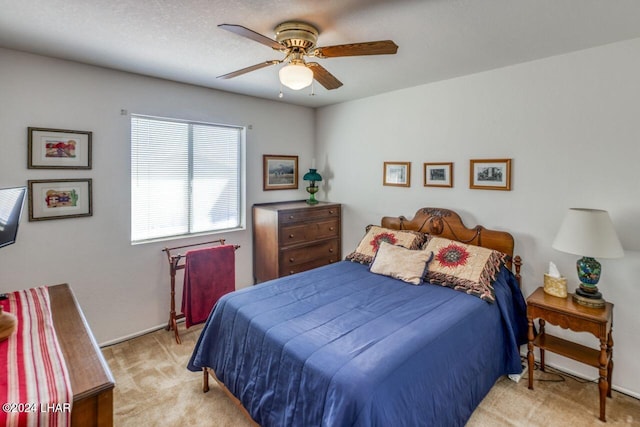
x: 588, y: 232
x: 295, y: 76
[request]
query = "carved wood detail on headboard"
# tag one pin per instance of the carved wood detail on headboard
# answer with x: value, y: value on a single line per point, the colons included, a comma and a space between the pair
x: 448, y: 224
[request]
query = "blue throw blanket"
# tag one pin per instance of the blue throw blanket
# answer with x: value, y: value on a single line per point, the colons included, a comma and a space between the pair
x: 340, y: 346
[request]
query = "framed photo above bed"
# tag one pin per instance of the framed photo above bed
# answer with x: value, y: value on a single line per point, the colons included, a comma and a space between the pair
x: 279, y: 172
x: 438, y: 174
x: 397, y: 174
x: 490, y: 174
x: 58, y: 149
x: 59, y: 198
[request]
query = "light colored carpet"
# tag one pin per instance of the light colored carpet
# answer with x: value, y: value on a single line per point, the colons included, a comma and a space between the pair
x: 154, y: 388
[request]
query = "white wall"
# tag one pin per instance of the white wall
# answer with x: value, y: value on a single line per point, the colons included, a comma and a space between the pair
x: 123, y: 289
x: 570, y: 123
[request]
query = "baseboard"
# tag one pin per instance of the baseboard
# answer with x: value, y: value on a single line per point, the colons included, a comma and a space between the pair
x: 135, y: 335
x: 593, y: 380
x: 564, y: 370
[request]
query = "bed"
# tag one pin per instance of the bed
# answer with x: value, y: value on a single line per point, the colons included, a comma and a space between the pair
x: 342, y: 346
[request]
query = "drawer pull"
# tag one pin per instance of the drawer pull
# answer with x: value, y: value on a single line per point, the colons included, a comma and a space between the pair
x: 291, y: 217
x: 291, y: 259
x: 331, y: 228
x: 330, y: 212
x: 291, y: 236
x: 331, y: 250
x: 291, y: 272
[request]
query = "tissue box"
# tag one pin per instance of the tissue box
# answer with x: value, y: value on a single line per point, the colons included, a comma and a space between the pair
x: 556, y: 286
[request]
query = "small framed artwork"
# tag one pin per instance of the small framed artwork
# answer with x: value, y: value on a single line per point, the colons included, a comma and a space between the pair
x: 490, y: 174
x: 59, y: 149
x: 59, y: 198
x: 397, y: 174
x: 279, y: 172
x: 438, y: 174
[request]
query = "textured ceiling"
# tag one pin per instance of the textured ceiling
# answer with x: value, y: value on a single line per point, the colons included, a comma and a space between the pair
x: 438, y: 39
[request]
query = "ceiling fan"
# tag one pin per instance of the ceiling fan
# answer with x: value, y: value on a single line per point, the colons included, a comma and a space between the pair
x: 297, y: 40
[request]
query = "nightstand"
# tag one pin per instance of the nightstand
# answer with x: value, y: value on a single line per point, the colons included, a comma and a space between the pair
x: 565, y: 313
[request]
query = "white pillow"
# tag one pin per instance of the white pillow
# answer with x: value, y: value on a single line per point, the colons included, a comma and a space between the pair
x: 401, y: 263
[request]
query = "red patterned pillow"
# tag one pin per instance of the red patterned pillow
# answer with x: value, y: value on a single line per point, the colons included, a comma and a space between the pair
x: 370, y: 243
x: 467, y: 268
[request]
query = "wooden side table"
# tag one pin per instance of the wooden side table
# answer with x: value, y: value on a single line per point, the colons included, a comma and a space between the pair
x: 565, y: 313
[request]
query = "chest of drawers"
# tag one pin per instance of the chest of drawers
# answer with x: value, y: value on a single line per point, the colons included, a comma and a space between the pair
x: 290, y: 237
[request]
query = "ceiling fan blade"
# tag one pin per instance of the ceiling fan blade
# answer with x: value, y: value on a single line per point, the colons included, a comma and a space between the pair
x: 250, y: 34
x: 381, y: 47
x: 249, y: 69
x: 322, y: 76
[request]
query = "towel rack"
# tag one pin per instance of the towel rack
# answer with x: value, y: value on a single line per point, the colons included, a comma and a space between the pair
x: 174, y: 266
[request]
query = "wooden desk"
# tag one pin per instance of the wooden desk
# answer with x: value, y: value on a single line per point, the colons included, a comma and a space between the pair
x: 565, y: 313
x: 91, y: 380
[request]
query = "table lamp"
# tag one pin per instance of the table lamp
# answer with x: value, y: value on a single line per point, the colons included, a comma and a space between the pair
x: 312, y: 189
x: 589, y: 233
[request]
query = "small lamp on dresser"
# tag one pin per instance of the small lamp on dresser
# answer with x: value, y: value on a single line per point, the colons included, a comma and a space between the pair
x: 588, y: 233
x: 312, y: 189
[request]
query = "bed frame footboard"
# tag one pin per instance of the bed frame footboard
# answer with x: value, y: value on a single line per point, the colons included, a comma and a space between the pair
x: 205, y: 388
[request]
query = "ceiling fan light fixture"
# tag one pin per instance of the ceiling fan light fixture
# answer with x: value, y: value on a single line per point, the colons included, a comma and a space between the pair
x: 295, y: 76
x: 297, y: 41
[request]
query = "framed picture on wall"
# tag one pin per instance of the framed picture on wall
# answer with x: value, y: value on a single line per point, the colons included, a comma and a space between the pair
x: 490, y: 174
x: 397, y: 174
x: 58, y: 149
x: 438, y: 174
x: 279, y: 172
x: 59, y: 198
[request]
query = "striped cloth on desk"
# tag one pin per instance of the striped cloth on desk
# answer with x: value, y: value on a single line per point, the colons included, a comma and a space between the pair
x: 34, y: 382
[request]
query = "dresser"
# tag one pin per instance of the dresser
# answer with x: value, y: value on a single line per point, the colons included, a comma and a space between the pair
x: 290, y: 237
x: 91, y: 380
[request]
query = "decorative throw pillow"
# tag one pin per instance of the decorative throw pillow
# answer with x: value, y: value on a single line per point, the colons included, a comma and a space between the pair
x: 376, y: 235
x: 467, y: 268
x: 401, y: 263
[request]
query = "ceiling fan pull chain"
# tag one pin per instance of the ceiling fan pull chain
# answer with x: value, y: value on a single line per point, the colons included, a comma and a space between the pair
x: 280, y: 95
x: 313, y: 89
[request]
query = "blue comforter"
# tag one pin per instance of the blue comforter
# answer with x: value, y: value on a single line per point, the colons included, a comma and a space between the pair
x: 340, y: 346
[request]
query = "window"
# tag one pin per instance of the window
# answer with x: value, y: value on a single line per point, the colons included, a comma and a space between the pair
x: 185, y: 178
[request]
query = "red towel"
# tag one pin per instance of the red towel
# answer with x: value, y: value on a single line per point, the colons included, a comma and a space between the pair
x: 208, y: 274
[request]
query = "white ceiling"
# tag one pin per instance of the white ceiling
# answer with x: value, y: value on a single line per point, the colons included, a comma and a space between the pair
x: 438, y: 39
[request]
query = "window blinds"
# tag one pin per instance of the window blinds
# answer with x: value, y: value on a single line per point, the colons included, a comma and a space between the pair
x: 185, y: 178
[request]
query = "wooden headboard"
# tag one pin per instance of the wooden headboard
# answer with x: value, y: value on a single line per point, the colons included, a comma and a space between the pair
x: 448, y: 224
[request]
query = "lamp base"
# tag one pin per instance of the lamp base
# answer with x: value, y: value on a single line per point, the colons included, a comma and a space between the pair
x: 589, y: 297
x: 312, y: 190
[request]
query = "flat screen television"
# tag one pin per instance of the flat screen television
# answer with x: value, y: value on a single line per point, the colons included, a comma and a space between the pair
x: 11, y: 202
